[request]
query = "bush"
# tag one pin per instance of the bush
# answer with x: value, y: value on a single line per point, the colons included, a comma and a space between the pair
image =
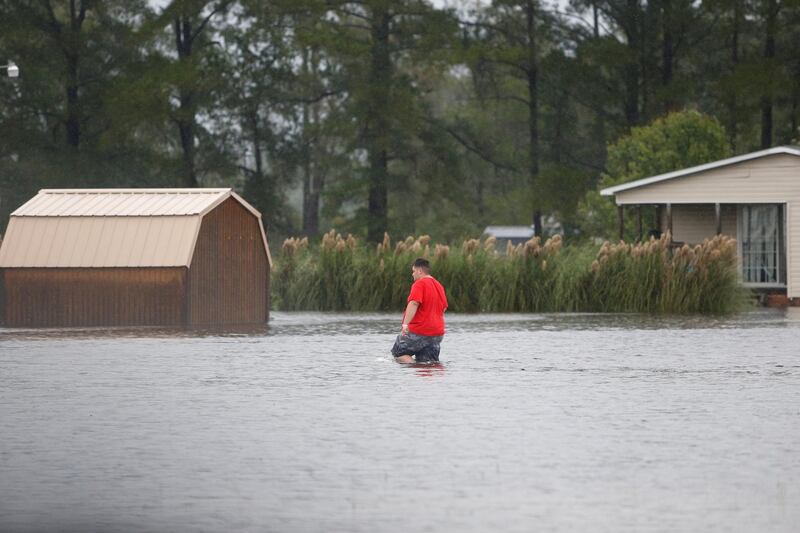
x: 679, y: 140
x: 342, y: 274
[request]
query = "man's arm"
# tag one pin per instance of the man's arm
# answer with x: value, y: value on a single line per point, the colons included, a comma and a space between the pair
x: 408, y: 316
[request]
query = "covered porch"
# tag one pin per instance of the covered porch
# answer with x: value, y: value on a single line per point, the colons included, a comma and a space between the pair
x: 759, y: 230
x: 753, y: 197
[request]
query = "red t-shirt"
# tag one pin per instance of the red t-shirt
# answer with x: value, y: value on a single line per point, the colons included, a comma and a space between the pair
x: 429, y: 318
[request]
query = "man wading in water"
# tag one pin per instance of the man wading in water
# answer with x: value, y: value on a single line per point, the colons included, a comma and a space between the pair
x: 423, y: 322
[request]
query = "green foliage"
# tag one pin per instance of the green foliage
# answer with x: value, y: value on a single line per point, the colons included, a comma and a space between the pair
x: 673, y: 142
x: 459, y: 117
x: 654, y: 277
x: 676, y: 141
x: 342, y: 275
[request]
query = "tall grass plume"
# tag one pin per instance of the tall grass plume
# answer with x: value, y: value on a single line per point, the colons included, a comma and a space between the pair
x: 342, y: 273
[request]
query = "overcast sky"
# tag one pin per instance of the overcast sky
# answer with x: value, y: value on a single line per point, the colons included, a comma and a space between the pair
x: 437, y: 3
x: 560, y: 5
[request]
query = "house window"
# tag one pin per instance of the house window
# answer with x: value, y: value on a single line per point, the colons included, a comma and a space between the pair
x: 760, y: 230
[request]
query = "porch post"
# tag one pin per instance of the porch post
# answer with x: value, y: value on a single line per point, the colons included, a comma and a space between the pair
x: 639, y: 221
x: 621, y: 220
x: 659, y: 223
x: 718, y: 215
x: 669, y: 221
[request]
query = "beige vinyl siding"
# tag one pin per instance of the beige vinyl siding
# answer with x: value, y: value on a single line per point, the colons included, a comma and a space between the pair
x: 693, y: 223
x: 772, y: 179
x: 701, y: 169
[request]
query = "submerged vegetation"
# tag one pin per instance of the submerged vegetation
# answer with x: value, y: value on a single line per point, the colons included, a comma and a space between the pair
x: 342, y: 274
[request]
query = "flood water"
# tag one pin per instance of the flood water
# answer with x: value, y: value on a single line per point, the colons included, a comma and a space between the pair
x: 601, y: 423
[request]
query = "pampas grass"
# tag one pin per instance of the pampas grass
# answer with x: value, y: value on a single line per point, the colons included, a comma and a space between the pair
x: 340, y: 273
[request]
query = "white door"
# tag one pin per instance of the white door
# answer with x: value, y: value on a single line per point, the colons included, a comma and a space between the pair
x: 760, y: 232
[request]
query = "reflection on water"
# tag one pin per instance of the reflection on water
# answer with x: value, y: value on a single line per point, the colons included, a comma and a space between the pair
x: 357, y: 324
x: 426, y: 369
x: 568, y: 422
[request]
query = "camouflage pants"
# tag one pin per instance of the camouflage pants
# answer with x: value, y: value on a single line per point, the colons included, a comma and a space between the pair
x: 422, y: 347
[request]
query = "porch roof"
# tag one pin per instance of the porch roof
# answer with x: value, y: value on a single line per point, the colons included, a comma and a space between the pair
x: 611, y: 191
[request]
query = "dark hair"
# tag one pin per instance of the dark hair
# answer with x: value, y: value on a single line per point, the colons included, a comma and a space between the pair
x: 423, y: 264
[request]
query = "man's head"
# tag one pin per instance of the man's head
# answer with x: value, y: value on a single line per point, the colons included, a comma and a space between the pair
x: 420, y: 268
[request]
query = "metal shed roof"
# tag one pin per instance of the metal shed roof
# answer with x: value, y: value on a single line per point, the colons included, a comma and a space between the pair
x: 111, y: 227
x: 122, y: 202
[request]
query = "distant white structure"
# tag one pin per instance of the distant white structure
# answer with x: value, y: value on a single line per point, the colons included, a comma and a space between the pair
x: 12, y: 69
x: 505, y: 234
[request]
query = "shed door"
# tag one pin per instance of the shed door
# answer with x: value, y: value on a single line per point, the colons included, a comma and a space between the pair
x: 761, y: 232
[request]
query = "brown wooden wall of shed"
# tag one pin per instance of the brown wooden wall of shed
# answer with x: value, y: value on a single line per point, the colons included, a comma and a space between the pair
x: 229, y: 273
x: 55, y: 297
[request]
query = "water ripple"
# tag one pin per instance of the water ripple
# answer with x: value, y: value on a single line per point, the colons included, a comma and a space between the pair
x: 564, y: 422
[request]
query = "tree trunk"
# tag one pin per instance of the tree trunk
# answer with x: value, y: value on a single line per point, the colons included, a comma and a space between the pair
x: 377, y: 129
x: 187, y: 106
x: 631, y: 74
x: 186, y: 131
x: 72, y: 53
x: 310, y: 206
x: 733, y: 105
x: 73, y: 122
x: 256, y: 186
x: 310, y: 185
x: 631, y: 71
x: 257, y: 155
x: 259, y: 186
x: 312, y: 182
x: 480, y: 201
x: 769, y: 56
x: 795, y: 108
x: 667, y: 53
x: 557, y: 147
x: 532, y: 70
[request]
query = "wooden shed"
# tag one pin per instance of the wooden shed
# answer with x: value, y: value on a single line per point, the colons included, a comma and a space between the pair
x: 125, y: 257
x: 753, y: 197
